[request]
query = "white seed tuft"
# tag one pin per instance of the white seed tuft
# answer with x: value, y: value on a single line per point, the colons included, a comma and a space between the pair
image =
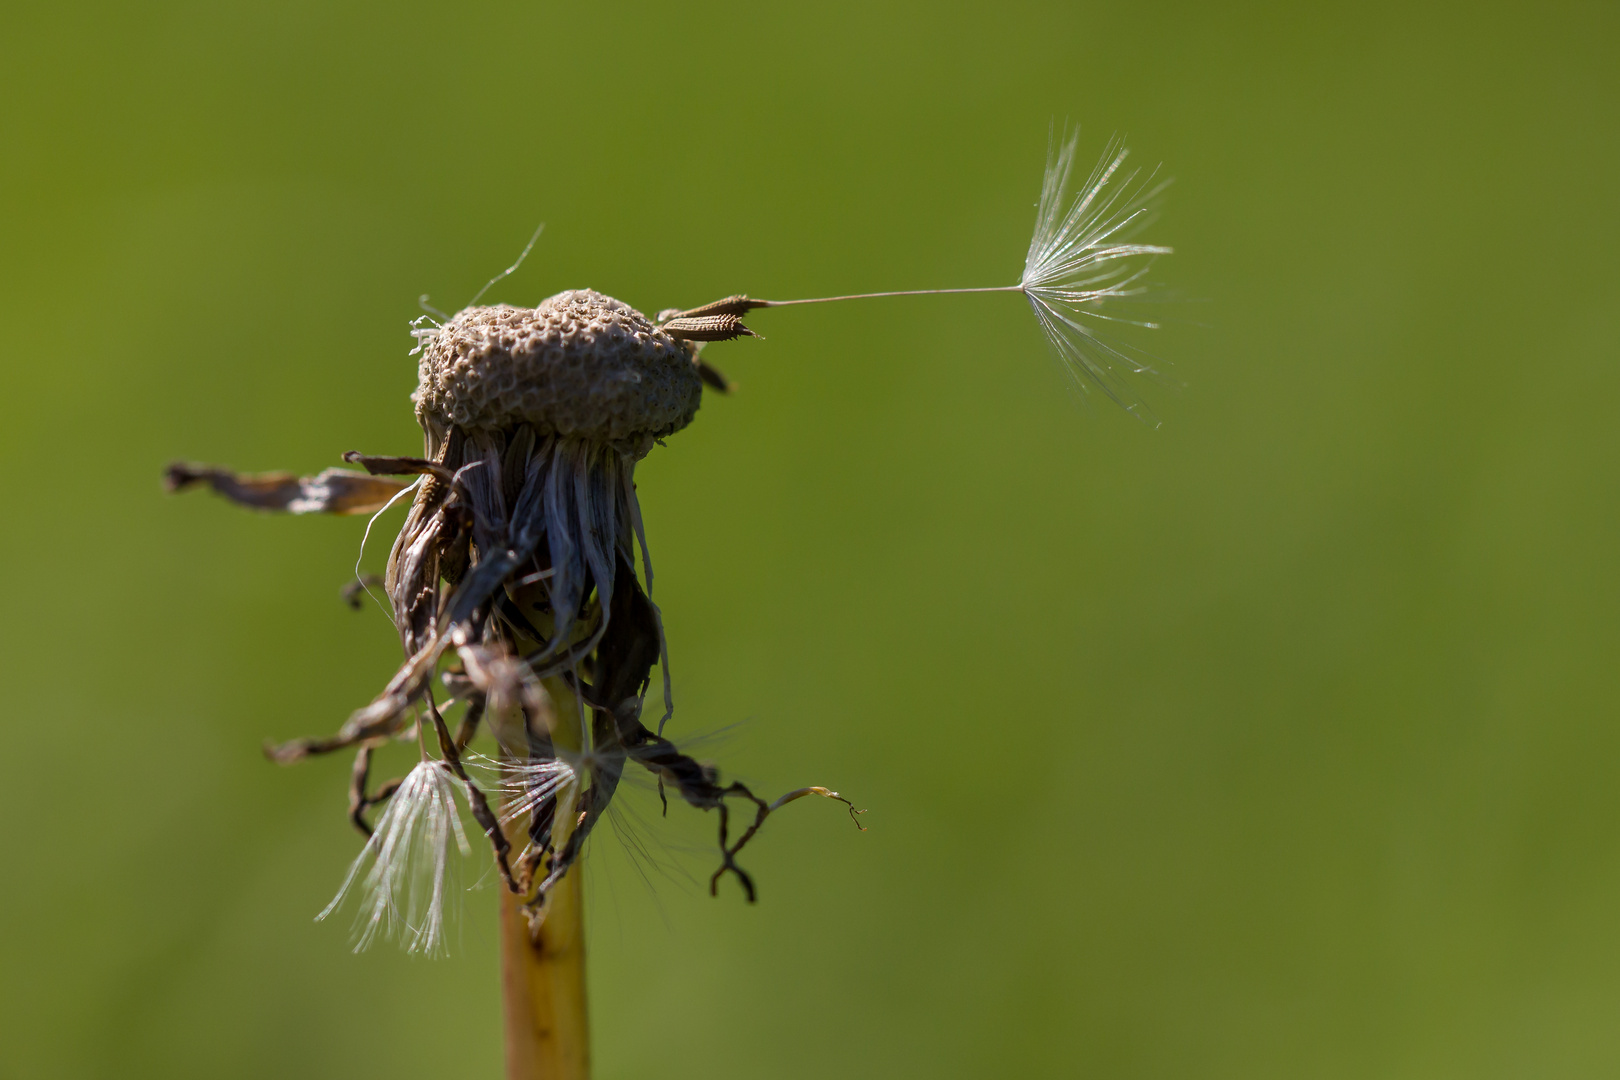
x: 1084, y: 255
x: 409, y: 864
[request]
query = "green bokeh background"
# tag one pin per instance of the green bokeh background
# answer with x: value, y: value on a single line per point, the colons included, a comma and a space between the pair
x: 1277, y: 742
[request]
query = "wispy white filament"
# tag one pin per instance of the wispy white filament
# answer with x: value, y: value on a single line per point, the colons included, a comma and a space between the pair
x: 407, y: 864
x: 365, y: 536
x: 1082, y: 254
x: 528, y: 786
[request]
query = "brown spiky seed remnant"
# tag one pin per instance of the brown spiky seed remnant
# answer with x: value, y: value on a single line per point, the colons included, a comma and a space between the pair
x: 707, y: 328
x: 580, y: 365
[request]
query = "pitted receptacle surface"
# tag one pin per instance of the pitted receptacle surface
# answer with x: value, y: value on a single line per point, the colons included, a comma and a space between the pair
x: 579, y: 365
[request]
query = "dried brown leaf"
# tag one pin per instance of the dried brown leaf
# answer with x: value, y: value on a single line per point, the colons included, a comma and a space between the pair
x: 333, y: 491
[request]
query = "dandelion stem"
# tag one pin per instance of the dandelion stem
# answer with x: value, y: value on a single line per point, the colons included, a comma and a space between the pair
x: 543, y: 969
x: 875, y: 295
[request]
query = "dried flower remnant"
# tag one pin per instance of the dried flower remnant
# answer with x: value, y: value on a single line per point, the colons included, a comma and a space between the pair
x: 514, y: 581
x: 514, y: 584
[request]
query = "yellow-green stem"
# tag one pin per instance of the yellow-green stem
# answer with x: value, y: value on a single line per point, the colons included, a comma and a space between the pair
x: 543, y: 973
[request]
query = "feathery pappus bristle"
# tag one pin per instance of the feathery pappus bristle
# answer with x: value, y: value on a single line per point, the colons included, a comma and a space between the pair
x: 407, y: 864
x: 1083, y: 253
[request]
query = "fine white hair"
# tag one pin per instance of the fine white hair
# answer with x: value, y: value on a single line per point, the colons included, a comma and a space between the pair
x: 1083, y: 254
x: 406, y: 864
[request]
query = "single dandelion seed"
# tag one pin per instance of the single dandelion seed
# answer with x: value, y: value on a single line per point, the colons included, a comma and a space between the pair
x: 1082, y: 256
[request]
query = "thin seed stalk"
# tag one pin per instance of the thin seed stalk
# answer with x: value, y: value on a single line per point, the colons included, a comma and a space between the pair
x: 543, y: 974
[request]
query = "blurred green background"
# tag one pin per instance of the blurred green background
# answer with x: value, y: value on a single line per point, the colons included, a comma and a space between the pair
x: 1277, y: 742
